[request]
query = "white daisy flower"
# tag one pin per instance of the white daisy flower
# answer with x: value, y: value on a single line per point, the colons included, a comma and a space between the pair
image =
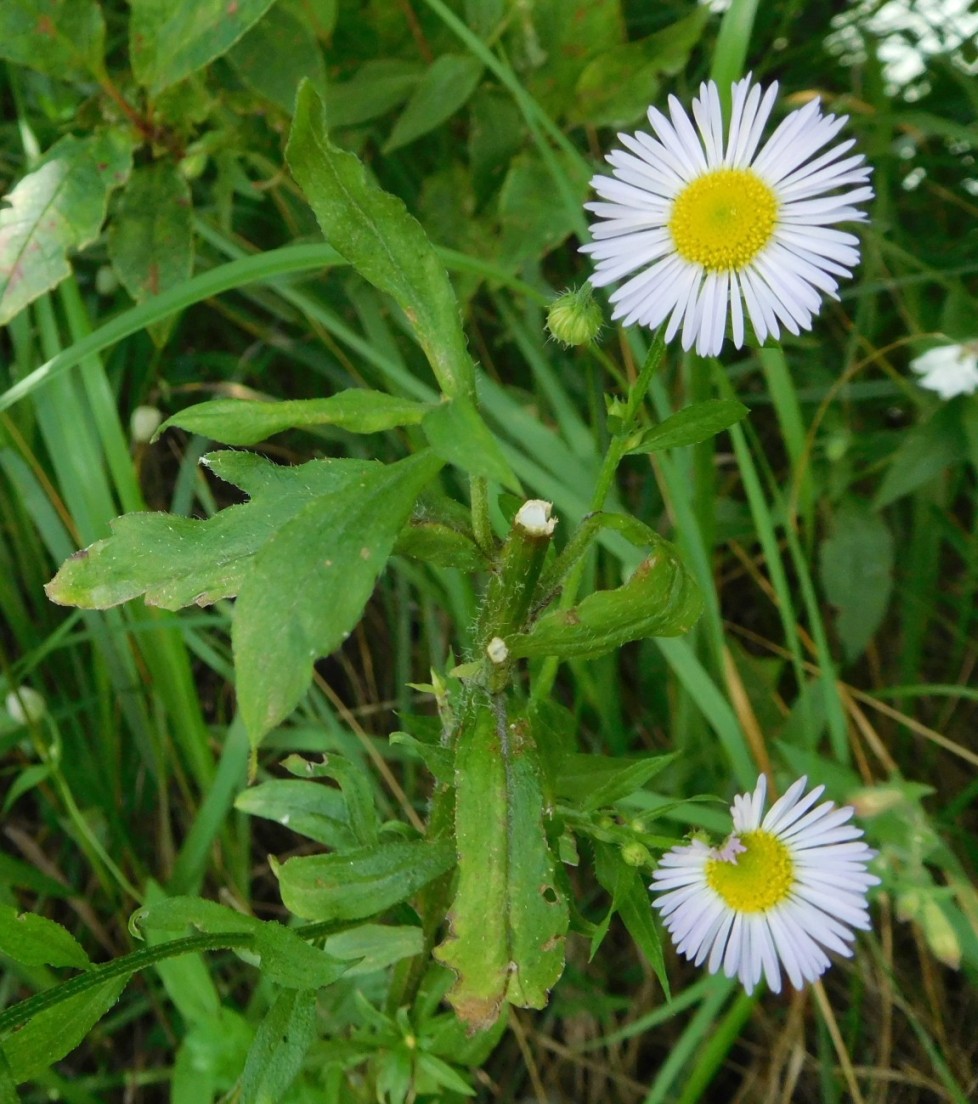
x: 949, y: 369
x: 780, y: 890
x: 709, y: 225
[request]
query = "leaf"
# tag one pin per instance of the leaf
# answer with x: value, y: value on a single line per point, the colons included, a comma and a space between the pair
x: 371, y: 947
x: 151, y: 239
x: 308, y: 585
x: 691, y: 425
x: 170, y: 39
x: 275, y: 1057
x: 509, y: 917
x: 926, y: 450
x: 241, y: 422
x: 385, y: 244
x: 36, y: 941
x: 63, y: 38
x: 856, y: 568
x: 355, y: 785
x: 278, y: 51
x: 616, y: 87
x: 176, y: 561
x: 596, y: 781
x: 446, y: 85
x: 458, y: 434
x: 660, y: 599
x: 56, y: 1031
x: 58, y: 207
x: 377, y: 86
x: 350, y: 885
x: 531, y: 223
x: 317, y: 812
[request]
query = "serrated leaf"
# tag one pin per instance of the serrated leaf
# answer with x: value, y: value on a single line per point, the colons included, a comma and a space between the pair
x: 309, y: 583
x: 384, y: 243
x: 56, y: 1031
x: 35, y: 941
x: 175, y: 561
x: 856, y: 569
x: 446, y: 85
x: 660, y: 599
x: 351, y: 885
x: 242, y: 422
x: 275, y: 1057
x: 457, y: 433
x: 64, y: 38
x: 151, y: 239
x: 594, y: 781
x: 509, y: 917
x: 170, y: 39
x: 691, y: 425
x: 317, y: 812
x: 56, y: 208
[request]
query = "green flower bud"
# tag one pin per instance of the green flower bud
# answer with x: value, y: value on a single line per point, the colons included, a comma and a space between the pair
x: 636, y: 854
x: 574, y: 318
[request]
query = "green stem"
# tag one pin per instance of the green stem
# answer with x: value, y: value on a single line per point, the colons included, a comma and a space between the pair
x: 617, y: 447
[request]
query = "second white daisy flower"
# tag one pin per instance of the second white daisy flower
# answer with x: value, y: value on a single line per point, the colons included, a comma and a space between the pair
x: 782, y: 889
x: 712, y: 227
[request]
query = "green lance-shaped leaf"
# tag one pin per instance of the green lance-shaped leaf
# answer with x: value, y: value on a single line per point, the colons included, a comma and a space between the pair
x: 245, y: 422
x: 456, y: 431
x: 309, y: 583
x: 446, y: 85
x: 35, y: 941
x: 170, y: 39
x: 384, y: 243
x: 691, y: 425
x: 64, y: 38
x: 56, y: 208
x: 151, y: 237
x: 660, y: 599
x: 56, y: 1031
x: 365, y: 881
x: 509, y: 918
x: 280, y: 1044
x: 176, y: 561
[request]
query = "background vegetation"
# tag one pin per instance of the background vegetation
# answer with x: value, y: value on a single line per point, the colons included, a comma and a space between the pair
x: 834, y: 531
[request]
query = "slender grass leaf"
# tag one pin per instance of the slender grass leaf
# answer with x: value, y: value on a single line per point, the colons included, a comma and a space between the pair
x: 509, y: 917
x: 692, y: 424
x: 63, y: 38
x: 350, y: 885
x: 384, y: 243
x: 36, y: 941
x: 241, y: 422
x: 176, y: 561
x: 56, y: 208
x: 308, y: 585
x: 280, y: 1045
x: 446, y: 85
x: 170, y: 39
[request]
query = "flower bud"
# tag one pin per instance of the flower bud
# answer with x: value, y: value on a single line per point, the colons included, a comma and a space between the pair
x: 635, y: 854
x: 25, y: 705
x: 143, y: 423
x: 574, y: 318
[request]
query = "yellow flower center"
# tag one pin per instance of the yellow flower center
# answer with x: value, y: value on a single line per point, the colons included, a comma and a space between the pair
x: 759, y: 878
x: 724, y: 219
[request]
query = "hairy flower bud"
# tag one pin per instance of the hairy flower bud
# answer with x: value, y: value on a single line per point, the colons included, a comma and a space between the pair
x: 574, y: 318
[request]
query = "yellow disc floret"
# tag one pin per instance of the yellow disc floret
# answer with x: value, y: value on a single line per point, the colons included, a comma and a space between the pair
x: 758, y: 878
x: 723, y: 219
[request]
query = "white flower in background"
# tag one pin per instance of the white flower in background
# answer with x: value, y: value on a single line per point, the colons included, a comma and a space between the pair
x: 949, y: 369
x: 710, y: 226
x: 25, y: 705
x: 780, y: 890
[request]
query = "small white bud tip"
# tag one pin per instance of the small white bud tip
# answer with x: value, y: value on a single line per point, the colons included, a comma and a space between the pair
x: 497, y: 651
x: 143, y: 423
x: 25, y: 705
x: 534, y: 518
